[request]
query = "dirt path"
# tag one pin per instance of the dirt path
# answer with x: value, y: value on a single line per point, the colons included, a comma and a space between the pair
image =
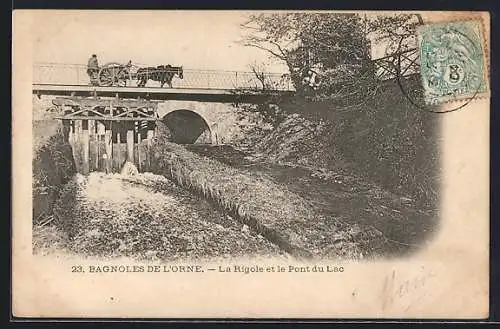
x: 347, y: 198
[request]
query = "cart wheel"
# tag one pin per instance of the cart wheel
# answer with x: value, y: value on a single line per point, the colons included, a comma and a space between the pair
x: 112, y: 74
x: 123, y: 76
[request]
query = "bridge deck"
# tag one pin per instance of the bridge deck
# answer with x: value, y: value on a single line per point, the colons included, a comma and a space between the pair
x: 200, y: 85
x: 197, y: 94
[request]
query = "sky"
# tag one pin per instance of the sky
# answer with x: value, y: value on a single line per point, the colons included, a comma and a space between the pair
x: 193, y: 39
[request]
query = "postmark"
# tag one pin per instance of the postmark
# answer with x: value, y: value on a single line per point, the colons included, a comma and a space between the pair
x: 452, y: 61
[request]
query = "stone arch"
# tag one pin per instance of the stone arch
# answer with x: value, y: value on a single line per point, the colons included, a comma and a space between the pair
x: 187, y: 126
x: 204, y: 110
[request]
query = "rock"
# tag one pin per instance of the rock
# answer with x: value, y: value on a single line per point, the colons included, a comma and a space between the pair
x: 129, y: 169
x: 406, y: 200
x: 355, y: 231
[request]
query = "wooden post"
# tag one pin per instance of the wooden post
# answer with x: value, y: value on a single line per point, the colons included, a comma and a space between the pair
x: 119, y: 147
x: 101, y: 131
x: 139, y: 151
x: 109, y: 149
x: 91, y: 126
x: 149, y: 139
x: 74, y: 144
x: 77, y: 146
x: 78, y: 130
x: 66, y: 129
x: 71, y: 137
x: 85, y: 146
x: 101, y: 128
x: 150, y: 135
x: 130, y: 143
x: 92, y: 145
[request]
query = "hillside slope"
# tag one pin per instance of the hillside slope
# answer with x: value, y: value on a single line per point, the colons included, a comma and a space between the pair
x: 381, y: 138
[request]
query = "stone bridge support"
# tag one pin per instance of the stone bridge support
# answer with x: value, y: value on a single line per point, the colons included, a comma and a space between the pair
x: 190, y: 121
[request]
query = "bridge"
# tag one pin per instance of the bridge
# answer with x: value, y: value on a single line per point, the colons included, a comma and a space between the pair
x: 199, y: 85
x: 196, y: 85
x: 108, y: 125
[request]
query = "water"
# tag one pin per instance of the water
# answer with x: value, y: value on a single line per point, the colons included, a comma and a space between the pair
x: 147, y: 217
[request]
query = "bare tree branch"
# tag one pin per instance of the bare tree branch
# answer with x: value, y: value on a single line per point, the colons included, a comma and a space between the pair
x: 280, y: 56
x: 259, y: 74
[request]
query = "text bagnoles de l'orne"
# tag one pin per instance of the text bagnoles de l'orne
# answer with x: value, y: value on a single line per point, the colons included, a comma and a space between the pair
x: 223, y: 269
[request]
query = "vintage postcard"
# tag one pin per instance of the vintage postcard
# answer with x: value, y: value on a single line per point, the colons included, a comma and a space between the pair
x: 250, y: 164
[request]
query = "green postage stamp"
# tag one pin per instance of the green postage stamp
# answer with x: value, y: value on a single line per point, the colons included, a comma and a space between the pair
x: 452, y: 61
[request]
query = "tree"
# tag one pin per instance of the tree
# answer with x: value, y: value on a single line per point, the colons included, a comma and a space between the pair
x: 397, y: 32
x: 332, y: 43
x: 265, y: 81
x: 334, y: 49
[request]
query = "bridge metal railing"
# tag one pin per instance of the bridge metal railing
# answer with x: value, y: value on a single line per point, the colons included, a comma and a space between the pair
x: 400, y: 64
x: 76, y: 74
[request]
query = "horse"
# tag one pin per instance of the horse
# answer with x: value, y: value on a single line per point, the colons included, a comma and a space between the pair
x: 162, y: 73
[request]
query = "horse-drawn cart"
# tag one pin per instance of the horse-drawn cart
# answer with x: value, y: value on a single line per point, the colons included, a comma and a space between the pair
x: 116, y: 74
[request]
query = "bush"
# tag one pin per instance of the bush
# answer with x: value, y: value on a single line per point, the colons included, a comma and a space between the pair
x: 53, y: 166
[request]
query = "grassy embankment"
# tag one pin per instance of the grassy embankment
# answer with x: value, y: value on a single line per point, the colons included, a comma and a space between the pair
x: 376, y: 134
x: 283, y: 217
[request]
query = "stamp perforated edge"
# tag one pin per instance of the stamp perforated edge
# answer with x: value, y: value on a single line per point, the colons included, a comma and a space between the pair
x: 485, y: 46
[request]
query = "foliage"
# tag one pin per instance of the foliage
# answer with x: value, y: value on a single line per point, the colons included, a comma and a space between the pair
x: 53, y: 166
x: 306, y: 41
x: 394, y: 144
x: 336, y: 47
x: 380, y: 136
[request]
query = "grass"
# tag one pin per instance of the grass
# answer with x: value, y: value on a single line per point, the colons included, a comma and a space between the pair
x: 281, y: 216
x: 49, y: 238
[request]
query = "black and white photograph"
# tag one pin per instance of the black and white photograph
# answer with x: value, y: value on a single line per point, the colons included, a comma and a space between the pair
x: 319, y: 140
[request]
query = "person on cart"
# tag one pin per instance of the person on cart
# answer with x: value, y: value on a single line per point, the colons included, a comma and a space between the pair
x: 93, y: 69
